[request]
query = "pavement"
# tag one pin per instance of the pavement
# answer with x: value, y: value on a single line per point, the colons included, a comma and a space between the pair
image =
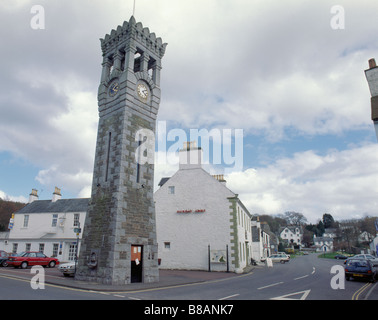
x: 167, y: 278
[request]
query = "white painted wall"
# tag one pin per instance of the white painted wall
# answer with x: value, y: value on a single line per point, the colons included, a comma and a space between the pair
x: 189, y: 233
x: 39, y: 230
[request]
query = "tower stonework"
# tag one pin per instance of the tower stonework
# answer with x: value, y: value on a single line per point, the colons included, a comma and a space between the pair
x: 119, y: 243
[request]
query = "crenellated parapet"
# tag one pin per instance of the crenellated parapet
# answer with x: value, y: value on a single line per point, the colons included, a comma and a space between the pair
x: 131, y: 46
x: 119, y: 38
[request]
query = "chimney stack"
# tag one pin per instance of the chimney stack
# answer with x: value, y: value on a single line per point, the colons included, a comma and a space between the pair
x: 33, y: 196
x: 190, y: 156
x: 220, y: 178
x: 56, y: 195
x: 372, y: 63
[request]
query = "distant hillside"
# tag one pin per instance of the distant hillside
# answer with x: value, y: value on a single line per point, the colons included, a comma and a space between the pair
x: 6, y: 210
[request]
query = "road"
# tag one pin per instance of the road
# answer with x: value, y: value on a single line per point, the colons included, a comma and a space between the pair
x: 303, y: 278
x: 306, y: 278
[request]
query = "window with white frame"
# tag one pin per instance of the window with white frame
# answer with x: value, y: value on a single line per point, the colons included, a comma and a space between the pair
x: 54, y: 220
x: 55, y: 249
x: 72, y: 251
x: 76, y: 219
x: 26, y: 220
x: 41, y: 247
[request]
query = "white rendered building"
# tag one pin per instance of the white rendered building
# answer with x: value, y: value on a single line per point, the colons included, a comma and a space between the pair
x: 200, y: 223
x: 292, y: 234
x: 47, y: 226
x: 260, y: 241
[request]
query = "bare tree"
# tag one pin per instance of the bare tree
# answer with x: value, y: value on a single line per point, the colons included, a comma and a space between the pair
x: 295, y: 218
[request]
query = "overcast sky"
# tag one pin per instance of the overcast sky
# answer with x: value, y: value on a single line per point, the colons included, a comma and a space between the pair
x: 278, y: 70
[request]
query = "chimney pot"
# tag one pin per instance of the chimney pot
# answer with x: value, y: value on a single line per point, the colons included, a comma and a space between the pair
x: 33, y: 195
x: 372, y: 63
x: 190, y: 156
x: 56, y: 195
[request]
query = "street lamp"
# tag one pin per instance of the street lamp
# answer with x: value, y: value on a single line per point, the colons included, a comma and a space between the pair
x: 372, y: 79
x: 77, y: 231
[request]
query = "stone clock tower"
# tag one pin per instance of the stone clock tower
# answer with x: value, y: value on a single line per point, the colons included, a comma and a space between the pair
x: 119, y: 241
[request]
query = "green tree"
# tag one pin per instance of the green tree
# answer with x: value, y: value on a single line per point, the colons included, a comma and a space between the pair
x: 320, y: 229
x: 328, y: 221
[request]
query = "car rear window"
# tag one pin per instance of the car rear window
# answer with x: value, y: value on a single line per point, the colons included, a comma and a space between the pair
x: 357, y: 263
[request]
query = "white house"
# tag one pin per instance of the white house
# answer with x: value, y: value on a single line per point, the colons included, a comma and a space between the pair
x: 47, y: 226
x: 261, y: 248
x: 292, y: 235
x: 374, y: 246
x: 365, y: 237
x: 324, y: 244
x: 330, y: 233
x: 200, y: 223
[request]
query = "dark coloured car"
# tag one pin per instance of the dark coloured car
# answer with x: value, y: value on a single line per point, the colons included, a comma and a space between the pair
x: 31, y: 258
x: 360, y: 268
x: 3, y: 258
x: 341, y: 256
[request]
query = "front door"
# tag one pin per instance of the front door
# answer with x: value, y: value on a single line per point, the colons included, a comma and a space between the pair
x: 136, y: 263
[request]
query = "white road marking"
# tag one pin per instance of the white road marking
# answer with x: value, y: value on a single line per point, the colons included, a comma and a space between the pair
x: 270, y: 285
x: 303, y: 296
x: 228, y: 297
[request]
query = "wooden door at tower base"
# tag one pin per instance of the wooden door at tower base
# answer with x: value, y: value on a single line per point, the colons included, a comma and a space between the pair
x: 136, y: 263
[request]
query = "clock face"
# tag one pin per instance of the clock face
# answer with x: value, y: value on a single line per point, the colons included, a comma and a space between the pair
x: 142, y: 91
x: 113, y: 89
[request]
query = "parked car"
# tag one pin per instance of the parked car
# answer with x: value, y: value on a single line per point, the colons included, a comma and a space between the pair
x: 284, y: 253
x: 280, y: 257
x: 68, y: 269
x: 360, y: 268
x: 341, y: 256
x: 3, y: 258
x: 369, y: 257
x: 30, y: 258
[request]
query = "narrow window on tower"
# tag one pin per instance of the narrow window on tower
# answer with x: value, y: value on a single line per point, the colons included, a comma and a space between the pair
x: 138, y: 159
x: 151, y: 67
x: 137, y: 58
x: 108, y: 157
x: 111, y: 64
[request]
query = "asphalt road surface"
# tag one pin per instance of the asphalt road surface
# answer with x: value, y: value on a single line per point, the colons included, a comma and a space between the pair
x: 303, y: 278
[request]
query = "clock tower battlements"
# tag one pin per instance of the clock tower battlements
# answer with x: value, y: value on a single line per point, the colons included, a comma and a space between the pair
x: 131, y: 64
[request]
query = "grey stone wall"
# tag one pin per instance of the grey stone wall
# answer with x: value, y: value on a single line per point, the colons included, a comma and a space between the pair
x: 121, y: 212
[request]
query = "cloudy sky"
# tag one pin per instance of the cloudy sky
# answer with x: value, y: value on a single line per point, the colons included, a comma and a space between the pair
x: 289, y: 74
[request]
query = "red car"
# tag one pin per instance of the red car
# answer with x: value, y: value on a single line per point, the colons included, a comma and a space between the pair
x: 29, y: 258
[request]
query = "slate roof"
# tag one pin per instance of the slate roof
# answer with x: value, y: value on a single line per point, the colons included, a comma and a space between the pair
x: 320, y: 239
x: 162, y: 181
x: 62, y: 205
